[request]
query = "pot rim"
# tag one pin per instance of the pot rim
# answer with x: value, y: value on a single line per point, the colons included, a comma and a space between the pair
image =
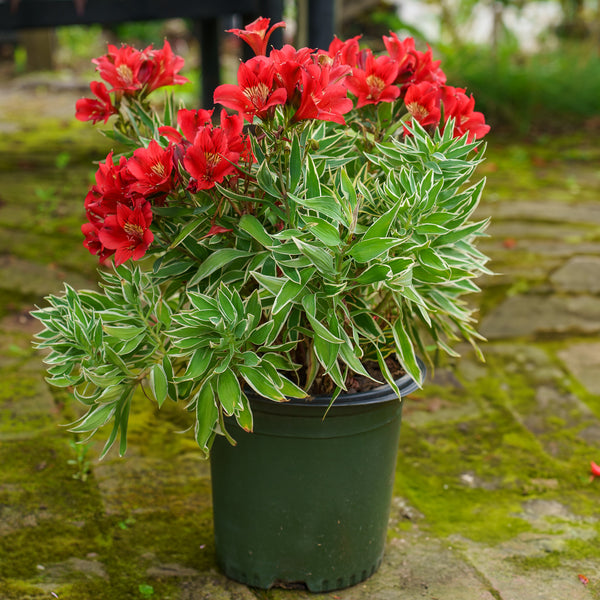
x: 383, y: 393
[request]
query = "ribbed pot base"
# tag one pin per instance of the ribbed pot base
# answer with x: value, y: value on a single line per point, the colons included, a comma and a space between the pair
x: 313, y: 584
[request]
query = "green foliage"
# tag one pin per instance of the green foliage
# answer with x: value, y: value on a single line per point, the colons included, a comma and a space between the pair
x: 364, y: 267
x: 335, y: 246
x: 522, y: 92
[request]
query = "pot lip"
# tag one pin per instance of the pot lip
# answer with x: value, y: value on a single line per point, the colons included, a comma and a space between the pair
x: 383, y: 393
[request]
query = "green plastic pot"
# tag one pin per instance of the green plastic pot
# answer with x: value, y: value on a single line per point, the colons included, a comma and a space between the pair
x: 304, y: 500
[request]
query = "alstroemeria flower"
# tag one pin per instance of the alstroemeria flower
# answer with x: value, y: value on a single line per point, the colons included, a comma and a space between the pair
x: 345, y: 53
x: 112, y: 187
x: 128, y: 232
x: 190, y: 122
x: 289, y: 64
x: 254, y: 95
x: 257, y: 34
x: 130, y: 71
x: 161, y: 68
x: 209, y: 159
x: 595, y: 469
x: 321, y: 97
x: 88, y: 109
x: 375, y: 82
x: 457, y: 105
x: 119, y: 68
x: 152, y: 169
x: 413, y: 66
x: 422, y: 101
x: 92, y: 241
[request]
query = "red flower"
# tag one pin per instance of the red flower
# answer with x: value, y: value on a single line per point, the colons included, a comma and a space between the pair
x: 254, y: 96
x: 119, y: 68
x: 321, y: 96
x: 422, y: 101
x: 88, y: 109
x: 428, y: 69
x: 92, y: 241
x: 345, y: 53
x: 289, y: 64
x: 128, y: 232
x: 111, y: 189
x: 213, y: 156
x: 257, y: 34
x: 457, y: 105
x: 375, y: 82
x: 595, y: 469
x: 152, y: 169
x: 131, y: 71
x: 404, y: 53
x: 413, y: 66
x: 190, y: 122
x: 160, y: 69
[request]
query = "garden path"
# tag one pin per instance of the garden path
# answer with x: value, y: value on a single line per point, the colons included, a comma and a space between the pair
x: 494, y: 499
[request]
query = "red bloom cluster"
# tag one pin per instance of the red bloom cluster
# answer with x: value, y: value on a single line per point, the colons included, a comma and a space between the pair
x: 119, y: 216
x: 307, y: 86
x: 198, y: 154
x: 129, y: 72
x: 315, y: 85
x: 119, y: 205
x: 208, y: 153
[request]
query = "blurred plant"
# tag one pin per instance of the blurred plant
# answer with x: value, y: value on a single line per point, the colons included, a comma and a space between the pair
x: 80, y: 461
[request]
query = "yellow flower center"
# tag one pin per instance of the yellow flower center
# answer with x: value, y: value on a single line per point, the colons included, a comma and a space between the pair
x: 158, y: 169
x: 257, y: 94
x: 375, y: 82
x: 134, y: 230
x: 125, y: 73
x: 417, y: 110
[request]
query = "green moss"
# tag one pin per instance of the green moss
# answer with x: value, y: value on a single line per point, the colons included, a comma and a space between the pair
x: 13, y: 589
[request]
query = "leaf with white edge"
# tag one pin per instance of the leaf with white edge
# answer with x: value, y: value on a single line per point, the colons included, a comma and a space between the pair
x: 347, y: 355
x: 326, y: 205
x: 323, y: 230
x: 261, y: 333
x: 260, y: 383
x: 95, y: 418
x: 374, y: 273
x: 207, y: 416
x: 202, y: 302
x: 381, y: 227
x: 368, y: 250
x: 319, y: 257
x: 158, y: 383
x: 385, y: 371
x: 295, y: 164
x: 244, y: 414
x: 229, y: 392
x: 406, y: 352
x: 197, y: 366
x: 123, y: 332
x: 313, y: 181
x: 290, y: 389
x: 321, y: 330
x: 187, y: 230
x: 271, y: 284
x: 288, y: 292
x: 429, y: 258
x: 217, y: 260
x: 250, y: 224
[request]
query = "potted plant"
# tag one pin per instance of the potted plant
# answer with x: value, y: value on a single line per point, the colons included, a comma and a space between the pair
x: 278, y: 269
